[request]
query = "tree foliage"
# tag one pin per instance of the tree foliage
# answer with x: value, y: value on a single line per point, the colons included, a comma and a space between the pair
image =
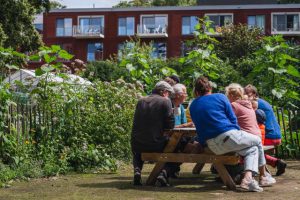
x: 17, y: 24
x: 146, y: 3
x: 276, y: 72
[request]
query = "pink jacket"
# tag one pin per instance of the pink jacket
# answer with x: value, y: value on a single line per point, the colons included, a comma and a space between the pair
x: 246, y: 116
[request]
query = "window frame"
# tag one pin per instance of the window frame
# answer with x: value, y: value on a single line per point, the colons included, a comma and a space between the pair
x: 126, y: 17
x: 154, y: 15
x: 190, y: 25
x: 87, y: 50
x: 92, y: 16
x: 264, y: 27
x: 64, y: 27
x: 286, y: 32
x: 158, y: 56
x: 218, y: 14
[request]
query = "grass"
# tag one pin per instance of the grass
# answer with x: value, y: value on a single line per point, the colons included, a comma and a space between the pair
x: 119, y: 186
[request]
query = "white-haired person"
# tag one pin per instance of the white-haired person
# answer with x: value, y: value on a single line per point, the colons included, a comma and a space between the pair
x: 246, y: 119
x: 179, y: 96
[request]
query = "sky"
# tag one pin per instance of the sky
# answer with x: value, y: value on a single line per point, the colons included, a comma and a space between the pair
x: 88, y: 3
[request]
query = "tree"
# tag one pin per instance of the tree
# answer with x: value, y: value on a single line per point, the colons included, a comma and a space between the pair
x: 146, y: 3
x: 237, y: 45
x: 56, y: 5
x: 16, y: 21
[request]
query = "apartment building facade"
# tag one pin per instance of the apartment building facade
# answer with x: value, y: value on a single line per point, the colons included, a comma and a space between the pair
x: 99, y: 33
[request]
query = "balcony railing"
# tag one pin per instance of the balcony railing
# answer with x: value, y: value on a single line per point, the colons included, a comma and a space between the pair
x: 283, y: 29
x: 152, y: 32
x: 88, y: 31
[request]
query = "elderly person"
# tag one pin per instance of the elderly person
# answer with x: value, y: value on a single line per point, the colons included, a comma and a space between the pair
x: 152, y: 116
x: 216, y: 126
x: 273, y: 132
x: 178, y: 98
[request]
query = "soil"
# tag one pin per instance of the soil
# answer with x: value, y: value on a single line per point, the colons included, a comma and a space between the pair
x: 119, y: 186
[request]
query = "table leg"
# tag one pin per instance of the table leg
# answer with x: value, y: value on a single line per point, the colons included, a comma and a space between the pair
x: 170, y: 147
x: 226, y: 178
x: 198, y: 168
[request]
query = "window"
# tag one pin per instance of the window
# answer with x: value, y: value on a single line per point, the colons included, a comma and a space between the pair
x: 126, y: 46
x: 188, y: 25
x: 286, y: 22
x: 67, y: 46
x: 95, y: 51
x: 126, y: 26
x: 64, y: 27
x: 257, y: 21
x: 159, y: 50
x: 187, y: 47
x: 154, y: 24
x: 38, y: 27
x: 220, y: 20
x: 91, y: 25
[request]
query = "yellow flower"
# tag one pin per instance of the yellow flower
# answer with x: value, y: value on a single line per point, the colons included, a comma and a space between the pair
x: 27, y: 142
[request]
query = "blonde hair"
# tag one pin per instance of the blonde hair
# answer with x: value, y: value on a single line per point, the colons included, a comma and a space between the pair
x: 235, y: 91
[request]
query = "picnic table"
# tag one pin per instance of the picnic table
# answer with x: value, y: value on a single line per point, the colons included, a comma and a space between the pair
x: 168, y: 155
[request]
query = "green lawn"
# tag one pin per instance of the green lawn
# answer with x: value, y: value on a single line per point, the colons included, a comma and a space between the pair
x: 119, y: 186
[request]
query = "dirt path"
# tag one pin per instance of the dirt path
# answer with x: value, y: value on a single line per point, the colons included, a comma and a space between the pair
x: 118, y: 186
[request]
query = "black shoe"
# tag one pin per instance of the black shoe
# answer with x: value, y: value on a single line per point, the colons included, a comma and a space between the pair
x: 137, y: 179
x: 162, y: 179
x: 281, y: 165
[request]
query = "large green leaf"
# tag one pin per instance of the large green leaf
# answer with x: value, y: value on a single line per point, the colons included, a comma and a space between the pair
x: 291, y: 70
x: 65, y: 55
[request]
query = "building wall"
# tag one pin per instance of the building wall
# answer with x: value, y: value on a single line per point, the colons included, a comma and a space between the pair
x: 111, y: 38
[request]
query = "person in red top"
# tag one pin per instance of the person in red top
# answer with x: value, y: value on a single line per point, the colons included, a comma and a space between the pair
x: 261, y: 118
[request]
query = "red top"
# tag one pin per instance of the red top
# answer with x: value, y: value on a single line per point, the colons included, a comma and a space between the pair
x: 246, y: 116
x: 263, y: 132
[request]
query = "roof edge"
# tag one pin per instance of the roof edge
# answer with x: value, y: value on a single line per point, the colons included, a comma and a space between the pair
x: 176, y: 8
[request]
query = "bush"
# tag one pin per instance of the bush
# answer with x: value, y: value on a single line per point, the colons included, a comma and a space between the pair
x: 105, y: 71
x: 79, y: 128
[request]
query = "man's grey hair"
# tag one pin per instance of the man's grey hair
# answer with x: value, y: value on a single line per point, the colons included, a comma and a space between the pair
x: 162, y: 86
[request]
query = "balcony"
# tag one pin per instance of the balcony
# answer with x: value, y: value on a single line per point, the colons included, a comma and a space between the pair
x: 144, y: 31
x: 81, y: 32
x: 286, y: 29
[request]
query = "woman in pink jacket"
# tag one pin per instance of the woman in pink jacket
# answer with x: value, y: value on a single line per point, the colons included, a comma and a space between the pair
x: 246, y: 118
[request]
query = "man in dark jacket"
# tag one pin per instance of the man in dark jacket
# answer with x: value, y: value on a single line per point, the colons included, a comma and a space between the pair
x: 152, y: 116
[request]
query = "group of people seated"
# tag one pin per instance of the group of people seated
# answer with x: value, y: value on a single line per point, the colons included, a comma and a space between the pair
x: 238, y: 121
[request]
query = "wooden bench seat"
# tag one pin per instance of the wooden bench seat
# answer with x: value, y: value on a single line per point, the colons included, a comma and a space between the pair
x: 217, y: 160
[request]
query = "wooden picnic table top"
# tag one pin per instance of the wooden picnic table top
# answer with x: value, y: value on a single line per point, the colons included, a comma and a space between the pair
x: 182, y: 131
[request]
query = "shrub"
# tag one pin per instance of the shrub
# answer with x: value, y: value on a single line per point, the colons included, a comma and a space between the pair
x: 105, y: 71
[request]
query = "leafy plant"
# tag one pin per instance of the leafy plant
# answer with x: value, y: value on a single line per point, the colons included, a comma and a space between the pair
x: 142, y: 66
x: 276, y: 73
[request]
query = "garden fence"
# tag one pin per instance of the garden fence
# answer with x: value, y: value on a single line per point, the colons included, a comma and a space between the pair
x: 24, y: 119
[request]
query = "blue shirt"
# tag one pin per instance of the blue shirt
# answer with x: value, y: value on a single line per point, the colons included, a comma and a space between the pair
x: 212, y: 116
x: 272, y: 126
x: 181, y: 118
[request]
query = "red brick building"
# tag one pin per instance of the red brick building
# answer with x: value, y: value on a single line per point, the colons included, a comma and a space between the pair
x: 97, y: 33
